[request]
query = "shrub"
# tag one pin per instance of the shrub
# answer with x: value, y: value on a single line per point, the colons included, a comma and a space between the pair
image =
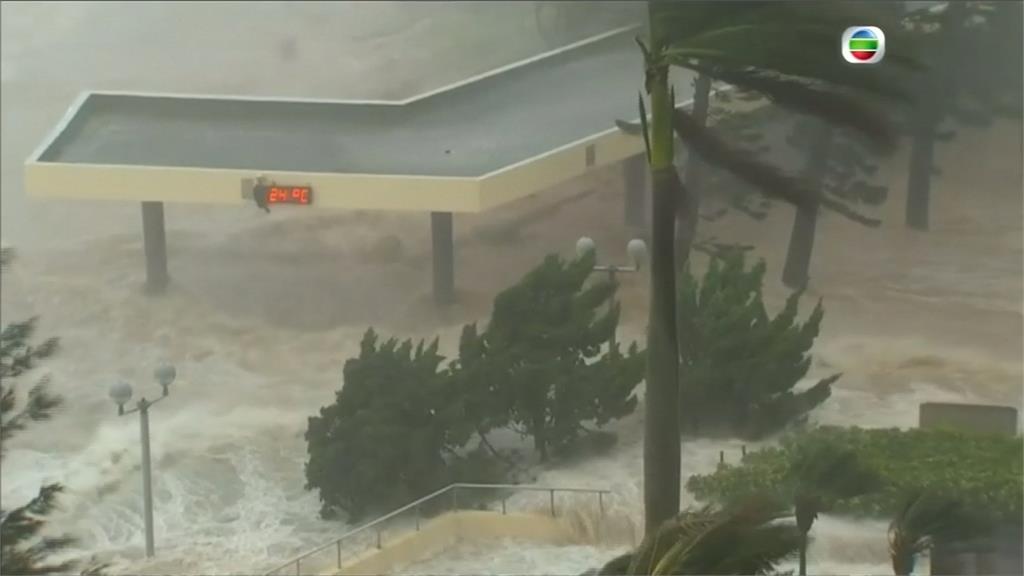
x: 402, y: 425
x: 544, y: 350
x: 740, y: 365
x: 385, y: 440
x: 983, y: 472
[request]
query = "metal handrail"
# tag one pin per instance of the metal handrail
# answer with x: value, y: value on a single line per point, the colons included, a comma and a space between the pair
x: 419, y: 502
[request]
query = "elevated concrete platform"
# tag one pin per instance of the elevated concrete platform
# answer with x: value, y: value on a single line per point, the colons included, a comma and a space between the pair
x: 468, y: 147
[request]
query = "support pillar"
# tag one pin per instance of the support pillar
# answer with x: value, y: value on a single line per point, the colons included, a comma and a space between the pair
x: 444, y: 257
x: 635, y: 181
x: 156, y: 246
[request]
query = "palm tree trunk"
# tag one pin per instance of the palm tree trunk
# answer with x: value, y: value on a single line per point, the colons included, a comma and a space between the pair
x: 661, y: 426
x: 805, y: 510
x: 661, y: 433
x: 795, y: 273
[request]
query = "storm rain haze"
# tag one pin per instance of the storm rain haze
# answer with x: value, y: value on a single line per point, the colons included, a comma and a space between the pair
x: 263, y: 309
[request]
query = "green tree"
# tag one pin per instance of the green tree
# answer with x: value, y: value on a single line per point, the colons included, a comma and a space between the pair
x: 782, y: 50
x: 22, y: 548
x: 985, y: 472
x: 546, y: 357
x: 403, y: 425
x: 974, y: 76
x: 381, y: 443
x: 743, y: 538
x: 740, y: 363
x: 840, y: 165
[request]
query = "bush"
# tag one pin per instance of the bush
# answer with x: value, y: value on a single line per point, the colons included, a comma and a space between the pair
x: 982, y: 471
x: 740, y: 365
x: 543, y: 348
x: 402, y: 425
x: 385, y: 440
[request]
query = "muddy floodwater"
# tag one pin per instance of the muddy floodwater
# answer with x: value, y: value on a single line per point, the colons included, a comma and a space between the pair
x: 264, y: 309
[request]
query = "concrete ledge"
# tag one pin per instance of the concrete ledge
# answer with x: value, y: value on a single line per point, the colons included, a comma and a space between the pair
x: 969, y: 417
x: 443, y: 532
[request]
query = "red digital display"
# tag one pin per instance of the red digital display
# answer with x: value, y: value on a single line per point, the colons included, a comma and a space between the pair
x: 289, y: 195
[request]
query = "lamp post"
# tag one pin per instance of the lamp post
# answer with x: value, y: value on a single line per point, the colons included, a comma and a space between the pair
x: 636, y: 248
x: 121, y: 393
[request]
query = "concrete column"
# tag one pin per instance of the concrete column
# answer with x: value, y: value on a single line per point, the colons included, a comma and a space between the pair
x: 444, y: 257
x: 635, y: 190
x: 156, y: 246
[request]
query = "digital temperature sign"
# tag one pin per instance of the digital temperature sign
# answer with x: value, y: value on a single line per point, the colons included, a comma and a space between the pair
x: 277, y: 194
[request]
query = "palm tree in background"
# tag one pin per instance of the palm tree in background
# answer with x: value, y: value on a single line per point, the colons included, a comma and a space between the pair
x: 821, y: 476
x: 750, y: 537
x: 921, y: 520
x: 787, y: 52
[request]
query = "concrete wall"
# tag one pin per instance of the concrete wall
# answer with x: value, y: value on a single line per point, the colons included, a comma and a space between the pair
x: 1001, y: 551
x: 969, y: 417
x: 443, y: 532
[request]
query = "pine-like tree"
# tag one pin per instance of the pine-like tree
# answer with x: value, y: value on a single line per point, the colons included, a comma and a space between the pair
x: 381, y: 444
x: 740, y: 365
x: 23, y: 548
x: 403, y: 426
x: 974, y: 75
x: 545, y: 342
x: 840, y: 163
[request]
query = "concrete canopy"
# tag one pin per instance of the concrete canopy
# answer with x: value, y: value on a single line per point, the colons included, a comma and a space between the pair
x: 466, y: 147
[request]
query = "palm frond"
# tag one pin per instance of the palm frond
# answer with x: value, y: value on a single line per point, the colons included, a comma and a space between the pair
x: 744, y: 538
x: 795, y: 40
x: 645, y: 130
x: 922, y: 519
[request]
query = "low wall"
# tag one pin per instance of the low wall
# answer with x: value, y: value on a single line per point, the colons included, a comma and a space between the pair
x: 969, y: 417
x: 443, y: 532
x: 999, y: 552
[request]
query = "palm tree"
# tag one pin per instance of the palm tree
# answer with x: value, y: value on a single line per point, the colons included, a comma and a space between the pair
x: 747, y: 538
x: 788, y: 53
x: 921, y: 520
x: 821, y: 475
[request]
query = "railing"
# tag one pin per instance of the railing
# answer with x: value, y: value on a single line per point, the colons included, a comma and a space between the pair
x: 376, y: 528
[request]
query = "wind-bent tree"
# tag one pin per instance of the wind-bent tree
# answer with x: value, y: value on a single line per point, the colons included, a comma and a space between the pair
x: 723, y: 319
x: 23, y: 550
x: 921, y: 520
x: 544, y: 348
x: 404, y: 425
x: 822, y: 475
x: 839, y: 164
x: 385, y: 440
x: 785, y: 51
x: 975, y: 75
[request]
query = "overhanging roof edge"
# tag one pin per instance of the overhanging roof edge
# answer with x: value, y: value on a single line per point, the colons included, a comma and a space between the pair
x: 56, y: 132
x: 224, y: 186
